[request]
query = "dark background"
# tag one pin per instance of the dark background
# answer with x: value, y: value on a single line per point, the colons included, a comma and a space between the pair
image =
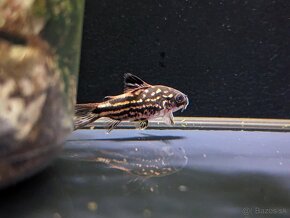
x: 230, y: 57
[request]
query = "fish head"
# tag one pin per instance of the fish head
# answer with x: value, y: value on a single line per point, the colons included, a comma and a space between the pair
x: 180, y: 101
x: 173, y: 100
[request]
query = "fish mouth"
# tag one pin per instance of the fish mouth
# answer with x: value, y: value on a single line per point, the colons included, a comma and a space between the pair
x: 185, y: 105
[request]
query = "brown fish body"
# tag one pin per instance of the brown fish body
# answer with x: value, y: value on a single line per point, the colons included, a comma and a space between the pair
x: 143, y: 103
x: 140, y: 102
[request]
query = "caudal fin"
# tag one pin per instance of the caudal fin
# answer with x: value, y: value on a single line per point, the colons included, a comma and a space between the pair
x: 84, y: 115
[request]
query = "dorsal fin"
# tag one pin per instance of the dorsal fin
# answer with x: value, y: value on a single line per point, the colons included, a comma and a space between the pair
x: 132, y: 82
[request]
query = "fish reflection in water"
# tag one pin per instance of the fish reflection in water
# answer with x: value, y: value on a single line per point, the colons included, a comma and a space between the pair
x: 145, y: 160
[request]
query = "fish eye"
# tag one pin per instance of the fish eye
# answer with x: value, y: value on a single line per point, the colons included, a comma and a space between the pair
x: 179, y: 98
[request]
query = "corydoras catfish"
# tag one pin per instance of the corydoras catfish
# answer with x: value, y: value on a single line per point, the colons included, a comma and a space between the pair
x: 139, y: 103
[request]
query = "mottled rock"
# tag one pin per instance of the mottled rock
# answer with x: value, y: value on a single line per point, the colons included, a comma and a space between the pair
x: 36, y: 92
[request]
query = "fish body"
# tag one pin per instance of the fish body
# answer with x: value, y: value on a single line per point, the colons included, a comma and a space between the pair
x: 139, y: 103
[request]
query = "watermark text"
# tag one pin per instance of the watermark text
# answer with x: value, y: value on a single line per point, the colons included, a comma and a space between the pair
x: 251, y: 211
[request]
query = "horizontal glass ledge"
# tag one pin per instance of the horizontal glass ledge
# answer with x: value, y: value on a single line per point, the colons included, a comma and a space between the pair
x: 209, y: 123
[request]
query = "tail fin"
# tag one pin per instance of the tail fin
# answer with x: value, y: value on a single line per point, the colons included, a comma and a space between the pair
x: 84, y: 115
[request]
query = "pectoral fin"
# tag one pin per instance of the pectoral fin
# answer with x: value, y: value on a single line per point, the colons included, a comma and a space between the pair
x: 168, y: 119
x: 142, y: 124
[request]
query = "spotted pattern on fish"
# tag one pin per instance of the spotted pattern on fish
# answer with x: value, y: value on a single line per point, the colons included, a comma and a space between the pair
x: 141, y: 101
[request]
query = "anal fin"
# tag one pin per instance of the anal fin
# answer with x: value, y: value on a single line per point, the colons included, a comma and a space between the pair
x: 106, y: 98
x: 112, y: 125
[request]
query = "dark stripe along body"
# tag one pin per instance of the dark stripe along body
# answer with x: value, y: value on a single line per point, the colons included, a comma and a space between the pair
x: 138, y: 105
